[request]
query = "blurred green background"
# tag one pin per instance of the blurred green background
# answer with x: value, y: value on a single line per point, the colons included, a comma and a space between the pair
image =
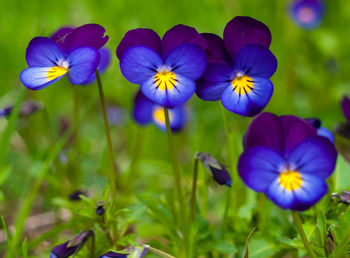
x: 312, y: 75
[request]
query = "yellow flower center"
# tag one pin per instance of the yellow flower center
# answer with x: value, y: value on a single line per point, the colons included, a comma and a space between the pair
x: 165, y: 80
x: 158, y: 115
x: 290, y: 180
x: 55, y: 72
x: 242, y: 84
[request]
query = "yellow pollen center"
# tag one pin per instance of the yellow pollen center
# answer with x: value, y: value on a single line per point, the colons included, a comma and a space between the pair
x: 165, y: 80
x: 242, y: 84
x: 158, y: 115
x: 290, y: 180
x: 55, y: 72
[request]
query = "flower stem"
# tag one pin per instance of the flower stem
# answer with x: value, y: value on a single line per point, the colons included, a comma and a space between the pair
x: 159, y: 252
x: 306, y: 242
x: 176, y: 176
x: 113, y: 171
x: 194, y: 189
x: 76, y: 126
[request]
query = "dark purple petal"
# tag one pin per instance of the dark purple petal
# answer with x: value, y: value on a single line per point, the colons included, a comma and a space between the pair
x: 181, y: 34
x: 83, y: 63
x: 315, y: 156
x: 112, y: 254
x: 88, y: 35
x: 255, y: 60
x: 259, y: 166
x: 216, y: 51
x: 43, y: 52
x: 139, y: 64
x: 345, y: 106
x: 61, y: 36
x: 188, y: 60
x: 295, y: 131
x: 139, y: 37
x: 315, y: 122
x: 265, y: 130
x: 241, y: 31
x: 143, y: 108
x: 62, y: 251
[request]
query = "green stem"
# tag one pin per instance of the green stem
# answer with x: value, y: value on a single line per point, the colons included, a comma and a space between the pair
x: 177, y: 177
x: 306, y: 242
x: 159, y: 252
x: 194, y: 190
x: 113, y: 171
x: 76, y: 126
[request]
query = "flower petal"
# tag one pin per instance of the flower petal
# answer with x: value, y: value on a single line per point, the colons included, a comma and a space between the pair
x: 88, y: 35
x: 295, y: 130
x: 83, y: 63
x: 255, y: 60
x: 323, y: 131
x: 143, y: 108
x: 43, y: 52
x: 177, y: 118
x: 138, y: 64
x: 182, y: 91
x: 245, y: 103
x: 265, y: 130
x: 189, y: 60
x: 60, y: 37
x: 36, y: 78
x: 179, y: 35
x: 216, y: 78
x: 216, y: 51
x: 316, y: 156
x: 280, y: 196
x: 241, y: 31
x: 345, y: 107
x: 259, y: 166
x: 139, y: 37
x: 312, y: 189
x: 105, y: 59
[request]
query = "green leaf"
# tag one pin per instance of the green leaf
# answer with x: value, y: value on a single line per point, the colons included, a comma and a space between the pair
x: 4, y: 173
x: 225, y: 247
x: 262, y: 248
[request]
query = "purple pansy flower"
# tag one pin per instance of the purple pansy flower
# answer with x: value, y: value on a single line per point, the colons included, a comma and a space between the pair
x: 165, y: 68
x: 321, y: 131
x: 345, y: 106
x: 343, y: 128
x: 88, y: 35
x: 70, y: 247
x: 239, y: 67
x: 219, y: 172
x: 307, y: 14
x: 146, y: 111
x: 285, y: 159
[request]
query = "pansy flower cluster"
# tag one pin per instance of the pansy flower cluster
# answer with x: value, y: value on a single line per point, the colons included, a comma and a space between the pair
x: 72, y: 52
x: 286, y: 159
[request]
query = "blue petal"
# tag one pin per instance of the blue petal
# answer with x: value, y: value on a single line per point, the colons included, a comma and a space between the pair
x: 311, y: 191
x: 105, y: 59
x: 280, y: 196
x: 259, y: 166
x: 43, y: 52
x: 177, y: 118
x: 138, y: 64
x: 322, y: 131
x: 255, y: 60
x: 316, y: 156
x: 188, y: 60
x: 83, y: 63
x: 216, y: 78
x: 251, y: 103
x: 143, y: 108
x: 176, y: 96
x: 36, y: 78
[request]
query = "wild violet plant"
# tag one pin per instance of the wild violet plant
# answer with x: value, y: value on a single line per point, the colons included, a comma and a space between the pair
x: 287, y: 158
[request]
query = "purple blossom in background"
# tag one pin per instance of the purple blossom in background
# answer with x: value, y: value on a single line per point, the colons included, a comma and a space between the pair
x: 239, y: 67
x: 28, y: 108
x: 285, y: 159
x: 165, y: 68
x: 131, y: 252
x: 146, y: 111
x: 308, y: 14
